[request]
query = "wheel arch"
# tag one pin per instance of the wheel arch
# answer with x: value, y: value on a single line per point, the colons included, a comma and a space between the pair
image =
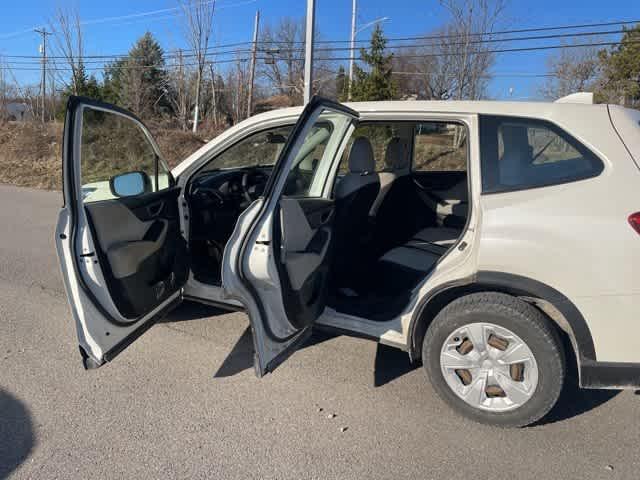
x: 557, y: 307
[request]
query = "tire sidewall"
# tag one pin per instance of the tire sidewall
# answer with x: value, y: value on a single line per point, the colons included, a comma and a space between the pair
x: 547, y: 354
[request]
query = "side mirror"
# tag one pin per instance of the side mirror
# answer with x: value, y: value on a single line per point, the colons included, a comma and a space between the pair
x: 130, y: 184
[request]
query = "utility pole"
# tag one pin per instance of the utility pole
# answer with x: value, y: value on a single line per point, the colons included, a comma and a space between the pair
x: 352, y: 53
x: 252, y: 70
x: 308, y: 50
x: 43, y: 82
x: 214, y: 96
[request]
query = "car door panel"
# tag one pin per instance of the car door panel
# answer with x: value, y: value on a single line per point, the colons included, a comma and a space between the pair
x: 305, y: 226
x: 140, y: 247
x: 122, y: 256
x: 280, y: 269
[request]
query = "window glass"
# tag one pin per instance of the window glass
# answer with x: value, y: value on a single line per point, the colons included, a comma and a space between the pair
x: 259, y: 149
x: 379, y: 135
x: 525, y: 153
x: 309, y: 170
x: 308, y: 159
x: 113, y: 145
x: 440, y: 146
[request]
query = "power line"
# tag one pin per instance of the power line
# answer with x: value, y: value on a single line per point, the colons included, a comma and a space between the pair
x: 505, y: 50
x: 424, y: 55
x: 89, y: 59
x: 502, y: 32
x: 214, y: 49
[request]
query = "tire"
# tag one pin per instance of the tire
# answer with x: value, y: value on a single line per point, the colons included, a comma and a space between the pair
x: 529, y: 326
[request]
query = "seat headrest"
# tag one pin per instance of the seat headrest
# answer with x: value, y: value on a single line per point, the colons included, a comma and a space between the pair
x: 361, y: 156
x: 396, y: 156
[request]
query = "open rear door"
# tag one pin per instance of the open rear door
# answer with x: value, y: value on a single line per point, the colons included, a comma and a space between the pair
x: 122, y: 256
x: 277, y: 260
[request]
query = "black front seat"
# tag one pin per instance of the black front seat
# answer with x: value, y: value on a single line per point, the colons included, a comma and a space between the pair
x: 354, y: 194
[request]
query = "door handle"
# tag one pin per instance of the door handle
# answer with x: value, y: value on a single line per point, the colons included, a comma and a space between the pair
x: 155, y: 209
x: 325, y: 217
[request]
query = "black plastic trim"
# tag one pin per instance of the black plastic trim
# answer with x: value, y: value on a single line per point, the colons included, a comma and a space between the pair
x: 616, y: 375
x: 519, y: 286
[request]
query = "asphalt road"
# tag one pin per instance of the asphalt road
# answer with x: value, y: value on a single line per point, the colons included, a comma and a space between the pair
x: 183, y: 401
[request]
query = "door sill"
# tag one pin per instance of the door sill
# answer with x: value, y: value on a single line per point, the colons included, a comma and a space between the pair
x: 387, y: 333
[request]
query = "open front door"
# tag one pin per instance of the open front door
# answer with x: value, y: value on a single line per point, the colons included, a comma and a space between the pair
x: 277, y: 260
x: 121, y: 253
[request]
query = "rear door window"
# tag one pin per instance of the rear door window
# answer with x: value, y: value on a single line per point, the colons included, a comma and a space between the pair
x: 519, y: 153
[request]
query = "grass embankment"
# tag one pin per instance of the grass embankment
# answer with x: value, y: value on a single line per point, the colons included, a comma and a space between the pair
x: 30, y: 153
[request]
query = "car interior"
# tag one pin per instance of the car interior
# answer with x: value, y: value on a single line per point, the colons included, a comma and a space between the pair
x: 400, y: 202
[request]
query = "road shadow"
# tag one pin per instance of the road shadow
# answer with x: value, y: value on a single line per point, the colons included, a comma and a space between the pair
x: 241, y: 356
x: 192, y: 311
x: 573, y: 400
x: 17, y: 438
x: 390, y: 363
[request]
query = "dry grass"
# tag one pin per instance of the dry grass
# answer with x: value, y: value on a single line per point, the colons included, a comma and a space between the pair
x: 30, y: 153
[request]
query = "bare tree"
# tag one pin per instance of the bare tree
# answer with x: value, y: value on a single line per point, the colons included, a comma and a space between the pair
x: 178, y: 80
x: 68, y: 49
x: 4, y: 90
x: 456, y: 64
x: 198, y: 16
x: 282, y: 46
x: 573, y: 69
x: 283, y: 68
x: 237, y: 89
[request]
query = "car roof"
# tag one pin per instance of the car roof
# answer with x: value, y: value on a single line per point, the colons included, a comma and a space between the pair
x: 486, y: 107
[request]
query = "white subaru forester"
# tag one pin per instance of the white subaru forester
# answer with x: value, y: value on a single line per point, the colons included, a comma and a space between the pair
x: 498, y: 242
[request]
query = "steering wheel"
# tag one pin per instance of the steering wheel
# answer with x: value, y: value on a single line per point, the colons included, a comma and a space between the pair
x: 209, y: 196
x: 253, y: 183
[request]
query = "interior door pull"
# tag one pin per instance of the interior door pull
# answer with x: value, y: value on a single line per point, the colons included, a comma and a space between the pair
x: 325, y: 217
x: 155, y: 209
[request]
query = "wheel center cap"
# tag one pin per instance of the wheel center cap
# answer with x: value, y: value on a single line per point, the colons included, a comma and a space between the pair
x: 487, y: 364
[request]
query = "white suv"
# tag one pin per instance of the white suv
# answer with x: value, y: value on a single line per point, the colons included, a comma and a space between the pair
x: 497, y: 242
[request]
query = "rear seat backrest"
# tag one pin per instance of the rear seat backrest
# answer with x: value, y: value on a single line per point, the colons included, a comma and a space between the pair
x: 396, y: 158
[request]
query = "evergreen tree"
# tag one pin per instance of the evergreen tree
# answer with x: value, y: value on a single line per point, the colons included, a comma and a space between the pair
x: 621, y: 71
x: 376, y: 81
x: 342, y: 85
x: 138, y: 81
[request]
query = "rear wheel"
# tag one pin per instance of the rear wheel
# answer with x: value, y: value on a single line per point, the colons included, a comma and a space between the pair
x: 495, y: 359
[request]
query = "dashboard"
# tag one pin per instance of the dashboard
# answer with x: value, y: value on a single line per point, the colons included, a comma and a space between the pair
x: 233, y: 189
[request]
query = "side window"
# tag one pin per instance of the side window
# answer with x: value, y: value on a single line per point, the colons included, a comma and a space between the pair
x: 117, y: 159
x: 440, y: 147
x: 260, y: 149
x: 519, y: 153
x: 309, y: 158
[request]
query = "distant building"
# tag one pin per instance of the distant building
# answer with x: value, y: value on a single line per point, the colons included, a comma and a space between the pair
x: 18, y: 112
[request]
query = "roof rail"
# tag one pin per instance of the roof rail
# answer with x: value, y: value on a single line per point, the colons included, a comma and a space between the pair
x: 579, y: 97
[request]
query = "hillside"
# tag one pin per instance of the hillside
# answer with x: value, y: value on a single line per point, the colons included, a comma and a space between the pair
x: 30, y: 153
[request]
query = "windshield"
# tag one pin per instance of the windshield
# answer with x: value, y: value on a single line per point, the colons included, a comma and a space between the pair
x: 261, y: 149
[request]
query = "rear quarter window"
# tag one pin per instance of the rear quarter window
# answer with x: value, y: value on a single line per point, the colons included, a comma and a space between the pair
x: 521, y: 153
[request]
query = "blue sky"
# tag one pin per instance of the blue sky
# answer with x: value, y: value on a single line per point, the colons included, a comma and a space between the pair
x: 234, y: 23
